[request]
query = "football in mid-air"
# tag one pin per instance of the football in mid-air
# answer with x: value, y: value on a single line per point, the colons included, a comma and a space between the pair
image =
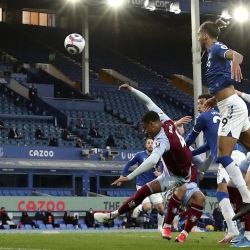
x: 74, y: 43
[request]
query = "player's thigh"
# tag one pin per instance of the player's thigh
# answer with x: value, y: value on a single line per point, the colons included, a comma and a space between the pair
x: 234, y: 121
x: 191, y: 188
x: 166, y: 182
x: 156, y: 198
x: 247, y: 178
x: 245, y: 139
x: 146, y: 204
x: 180, y: 191
x: 226, y: 145
x: 197, y: 198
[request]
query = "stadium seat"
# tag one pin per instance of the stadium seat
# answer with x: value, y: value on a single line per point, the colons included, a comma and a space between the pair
x: 41, y: 226
x: 6, y: 227
x: 49, y: 227
x: 62, y: 226
x: 28, y: 227
x: 69, y: 226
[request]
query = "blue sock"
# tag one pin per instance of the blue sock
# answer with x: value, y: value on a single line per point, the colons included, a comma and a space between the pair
x: 221, y: 195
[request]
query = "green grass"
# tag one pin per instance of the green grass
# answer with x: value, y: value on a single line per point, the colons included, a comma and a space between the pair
x: 107, y: 241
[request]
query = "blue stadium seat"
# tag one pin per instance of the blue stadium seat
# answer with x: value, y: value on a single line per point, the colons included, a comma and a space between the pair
x: 49, y: 227
x: 42, y: 226
x: 69, y: 226
x: 27, y: 227
x: 62, y: 226
x: 6, y: 227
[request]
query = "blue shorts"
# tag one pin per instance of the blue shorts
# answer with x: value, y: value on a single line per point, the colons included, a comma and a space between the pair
x: 191, y: 189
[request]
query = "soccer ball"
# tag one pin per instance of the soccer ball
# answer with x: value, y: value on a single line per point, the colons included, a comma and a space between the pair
x: 74, y: 43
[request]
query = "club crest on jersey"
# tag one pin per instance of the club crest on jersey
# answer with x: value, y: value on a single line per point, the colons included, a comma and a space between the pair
x: 157, y: 144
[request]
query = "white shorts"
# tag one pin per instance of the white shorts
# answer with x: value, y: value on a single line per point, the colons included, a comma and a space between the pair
x: 153, y: 198
x: 234, y: 117
x: 191, y: 189
x: 222, y: 175
x: 168, y: 182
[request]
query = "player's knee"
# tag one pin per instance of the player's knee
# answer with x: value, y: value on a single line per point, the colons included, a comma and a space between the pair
x: 180, y: 192
x: 146, y: 207
x: 159, y: 207
x: 224, y: 160
x: 198, y: 198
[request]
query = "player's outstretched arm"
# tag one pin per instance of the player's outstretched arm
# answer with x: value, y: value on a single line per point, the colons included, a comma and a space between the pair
x: 145, y: 100
x: 150, y: 162
x: 243, y: 95
x: 139, y: 95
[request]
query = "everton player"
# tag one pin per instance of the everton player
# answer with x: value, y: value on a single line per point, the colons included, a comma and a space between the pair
x: 142, y: 179
x: 223, y: 71
x: 208, y: 123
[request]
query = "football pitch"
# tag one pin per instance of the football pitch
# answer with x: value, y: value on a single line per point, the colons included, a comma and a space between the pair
x: 106, y: 240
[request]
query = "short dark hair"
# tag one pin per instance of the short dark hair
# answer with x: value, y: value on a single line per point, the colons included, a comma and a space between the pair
x: 213, y: 28
x: 204, y: 96
x: 150, y: 116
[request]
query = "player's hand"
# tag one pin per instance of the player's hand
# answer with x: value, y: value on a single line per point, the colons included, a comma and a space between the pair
x: 119, y: 183
x: 183, y: 120
x: 121, y: 179
x: 125, y: 86
x: 236, y: 71
x: 157, y: 173
x: 210, y: 103
x: 238, y: 92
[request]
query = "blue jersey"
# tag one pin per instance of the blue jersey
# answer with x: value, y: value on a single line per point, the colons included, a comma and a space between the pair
x: 208, y: 122
x: 218, y: 68
x: 138, y: 159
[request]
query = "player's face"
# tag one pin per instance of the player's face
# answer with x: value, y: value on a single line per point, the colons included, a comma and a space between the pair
x: 202, y: 38
x: 200, y: 105
x: 151, y: 129
x: 149, y: 145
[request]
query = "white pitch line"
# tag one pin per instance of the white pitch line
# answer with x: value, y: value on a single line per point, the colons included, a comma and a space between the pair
x: 13, y: 248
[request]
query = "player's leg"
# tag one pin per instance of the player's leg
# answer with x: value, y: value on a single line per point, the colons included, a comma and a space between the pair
x: 144, y: 207
x: 172, y: 210
x: 132, y: 202
x: 234, y: 121
x: 157, y: 201
x: 225, y: 205
x: 245, y: 139
x: 237, y: 201
x: 194, y: 199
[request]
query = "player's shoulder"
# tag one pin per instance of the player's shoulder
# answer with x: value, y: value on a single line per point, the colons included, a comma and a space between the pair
x: 201, y: 116
x: 140, y: 153
x: 218, y: 46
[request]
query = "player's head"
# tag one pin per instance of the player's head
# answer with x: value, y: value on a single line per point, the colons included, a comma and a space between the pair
x: 209, y: 31
x: 201, y: 101
x: 180, y: 129
x: 151, y: 123
x: 149, y: 144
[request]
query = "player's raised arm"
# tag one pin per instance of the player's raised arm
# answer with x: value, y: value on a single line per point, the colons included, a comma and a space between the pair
x: 145, y: 100
x: 236, y: 59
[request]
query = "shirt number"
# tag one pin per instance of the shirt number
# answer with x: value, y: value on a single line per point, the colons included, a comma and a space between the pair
x: 216, y: 119
x: 182, y: 140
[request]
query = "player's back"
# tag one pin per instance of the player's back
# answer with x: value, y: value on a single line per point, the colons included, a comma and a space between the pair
x: 218, y: 68
x: 179, y: 158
